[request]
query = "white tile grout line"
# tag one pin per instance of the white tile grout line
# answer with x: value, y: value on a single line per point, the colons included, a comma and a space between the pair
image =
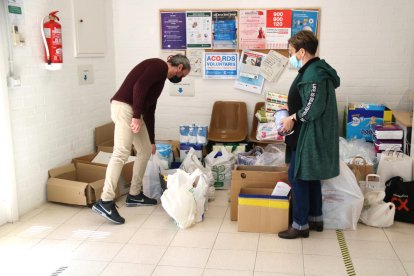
x: 392, y: 246
x: 125, y: 243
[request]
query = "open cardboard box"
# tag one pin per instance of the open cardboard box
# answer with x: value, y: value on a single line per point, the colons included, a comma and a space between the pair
x: 80, y: 185
x: 253, y: 177
x: 260, y: 212
x: 104, y: 138
x: 125, y: 178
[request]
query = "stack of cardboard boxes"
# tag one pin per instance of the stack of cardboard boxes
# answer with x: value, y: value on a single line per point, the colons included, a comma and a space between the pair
x: 251, y: 202
x: 81, y: 182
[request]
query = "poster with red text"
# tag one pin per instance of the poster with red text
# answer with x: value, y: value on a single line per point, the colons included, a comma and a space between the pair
x: 252, y: 29
x: 278, y: 29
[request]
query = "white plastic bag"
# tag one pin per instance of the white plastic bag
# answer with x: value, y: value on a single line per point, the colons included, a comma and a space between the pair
x: 200, y: 195
x: 191, y: 163
x: 178, y: 200
x: 151, y: 183
x: 376, y: 212
x: 342, y: 200
x: 221, y: 167
x: 395, y: 163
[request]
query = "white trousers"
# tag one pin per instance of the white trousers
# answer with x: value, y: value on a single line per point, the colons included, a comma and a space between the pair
x: 124, y: 138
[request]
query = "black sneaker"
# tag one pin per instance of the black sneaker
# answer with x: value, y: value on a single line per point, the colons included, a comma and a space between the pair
x: 139, y: 200
x: 108, y: 211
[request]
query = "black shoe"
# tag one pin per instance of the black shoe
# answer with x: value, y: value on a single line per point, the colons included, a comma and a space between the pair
x: 108, y: 211
x: 293, y: 233
x: 316, y: 225
x: 139, y: 200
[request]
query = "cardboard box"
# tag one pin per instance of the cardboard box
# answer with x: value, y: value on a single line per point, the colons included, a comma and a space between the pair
x: 260, y: 212
x: 361, y: 117
x: 253, y: 177
x: 125, y: 178
x: 104, y: 138
x: 80, y: 185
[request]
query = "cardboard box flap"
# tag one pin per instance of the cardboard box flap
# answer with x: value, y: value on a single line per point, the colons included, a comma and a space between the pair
x: 260, y: 168
x: 62, y: 170
x: 95, y: 190
x: 66, y: 191
x: 84, y: 159
x: 90, y: 173
x: 104, y: 133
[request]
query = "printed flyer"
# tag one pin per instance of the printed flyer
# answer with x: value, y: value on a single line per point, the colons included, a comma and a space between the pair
x: 199, y: 33
x: 304, y: 20
x: 220, y: 65
x: 173, y: 31
x: 196, y: 62
x: 252, y: 31
x: 225, y: 30
x: 249, y: 78
x: 278, y: 28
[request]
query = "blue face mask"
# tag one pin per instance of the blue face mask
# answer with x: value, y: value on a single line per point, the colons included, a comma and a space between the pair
x: 297, y: 64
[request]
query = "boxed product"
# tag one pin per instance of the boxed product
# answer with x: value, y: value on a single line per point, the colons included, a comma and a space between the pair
x: 253, y: 177
x: 260, y: 212
x: 388, y: 132
x: 80, y: 185
x: 361, y: 117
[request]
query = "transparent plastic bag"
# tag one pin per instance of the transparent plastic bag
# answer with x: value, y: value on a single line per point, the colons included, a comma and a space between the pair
x: 250, y: 157
x: 273, y: 155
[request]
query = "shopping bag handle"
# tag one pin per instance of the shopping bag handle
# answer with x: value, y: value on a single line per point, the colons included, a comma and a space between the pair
x: 364, y: 162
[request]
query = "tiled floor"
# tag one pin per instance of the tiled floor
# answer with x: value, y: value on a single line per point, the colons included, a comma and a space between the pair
x: 74, y: 241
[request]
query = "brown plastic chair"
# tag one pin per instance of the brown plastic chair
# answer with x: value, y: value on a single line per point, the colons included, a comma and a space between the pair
x: 228, y: 122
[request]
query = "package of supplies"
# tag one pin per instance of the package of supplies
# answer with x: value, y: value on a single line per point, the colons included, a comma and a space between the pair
x: 388, y: 132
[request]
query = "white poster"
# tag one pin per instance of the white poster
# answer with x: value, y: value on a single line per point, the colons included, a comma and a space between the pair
x: 185, y: 88
x: 249, y: 78
x: 273, y: 66
x: 196, y: 62
x: 220, y: 65
x: 199, y: 30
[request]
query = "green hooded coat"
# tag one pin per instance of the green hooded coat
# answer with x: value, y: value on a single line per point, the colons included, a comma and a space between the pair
x: 317, y: 151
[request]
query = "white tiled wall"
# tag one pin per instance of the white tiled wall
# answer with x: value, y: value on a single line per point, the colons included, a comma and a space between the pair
x: 53, y: 117
x: 370, y: 43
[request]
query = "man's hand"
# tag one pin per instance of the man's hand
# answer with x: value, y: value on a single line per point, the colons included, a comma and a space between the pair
x: 136, y: 125
x: 154, y: 149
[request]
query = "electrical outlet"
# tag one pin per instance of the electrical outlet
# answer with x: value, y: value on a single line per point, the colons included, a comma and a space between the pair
x: 85, y: 74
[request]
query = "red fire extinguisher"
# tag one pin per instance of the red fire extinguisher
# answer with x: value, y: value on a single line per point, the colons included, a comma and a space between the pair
x: 52, y: 39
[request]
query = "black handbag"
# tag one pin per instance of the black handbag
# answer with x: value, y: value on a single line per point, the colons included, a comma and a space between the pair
x: 402, y: 195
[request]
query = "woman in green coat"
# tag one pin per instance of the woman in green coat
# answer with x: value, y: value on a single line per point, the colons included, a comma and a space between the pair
x: 313, y: 147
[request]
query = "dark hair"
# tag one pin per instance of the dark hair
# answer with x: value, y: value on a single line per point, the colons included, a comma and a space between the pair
x: 306, y: 40
x: 179, y: 59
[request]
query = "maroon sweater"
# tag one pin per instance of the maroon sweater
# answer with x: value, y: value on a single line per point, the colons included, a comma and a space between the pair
x: 141, y: 89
